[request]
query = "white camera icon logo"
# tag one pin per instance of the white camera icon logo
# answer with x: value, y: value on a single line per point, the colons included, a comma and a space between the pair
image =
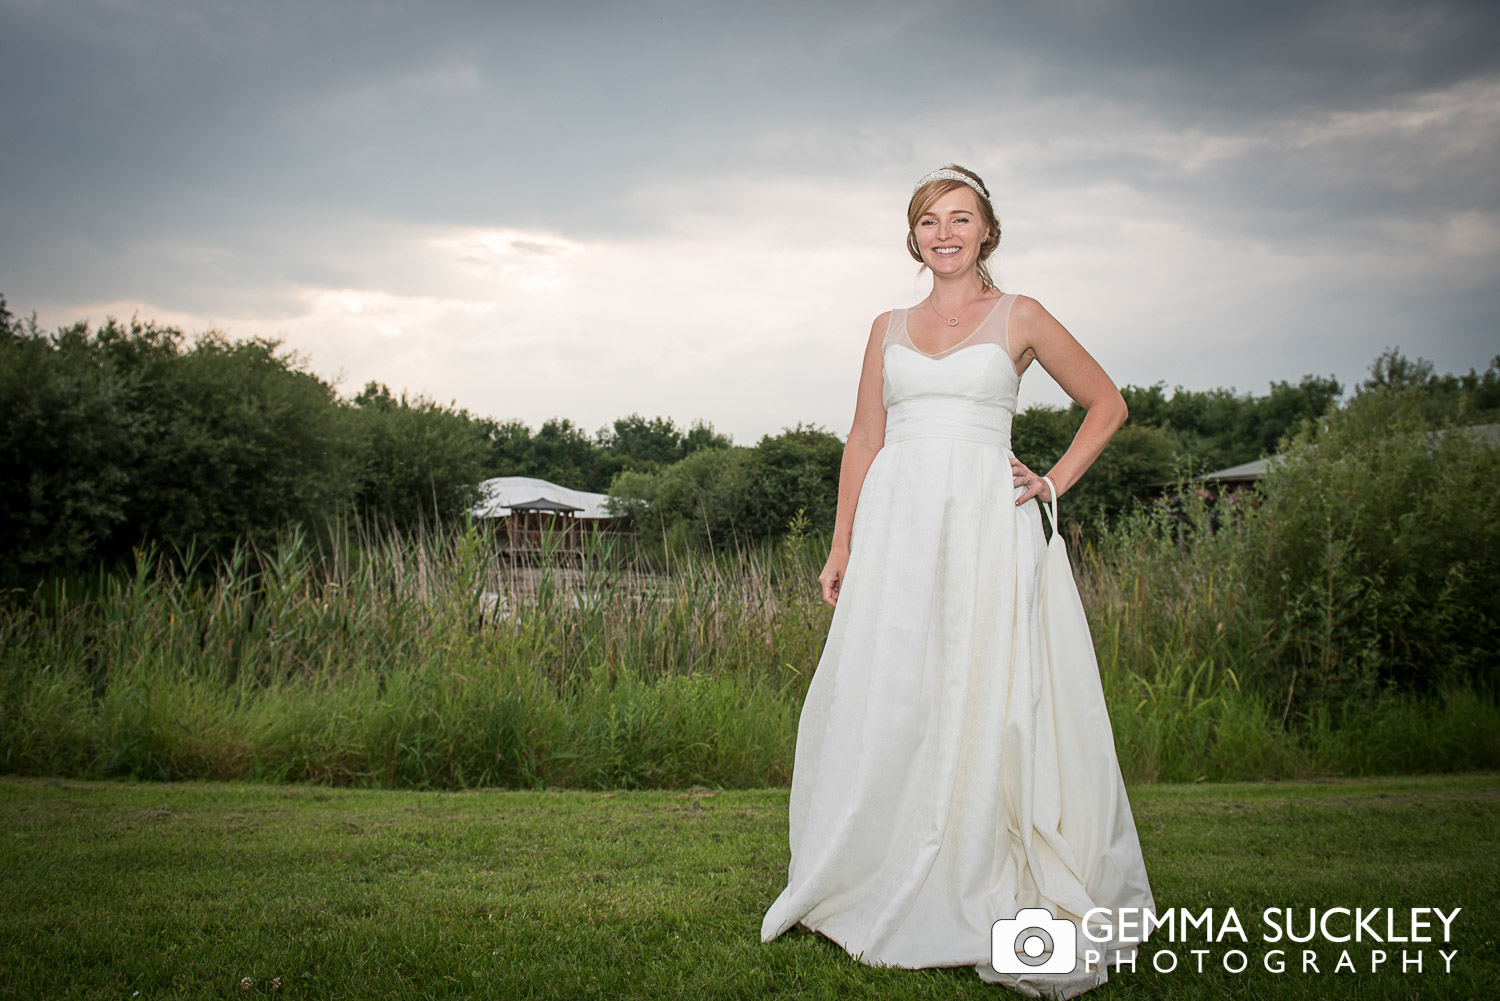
x: 1033, y: 942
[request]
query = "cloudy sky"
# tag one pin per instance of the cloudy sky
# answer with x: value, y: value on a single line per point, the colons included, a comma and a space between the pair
x: 696, y: 210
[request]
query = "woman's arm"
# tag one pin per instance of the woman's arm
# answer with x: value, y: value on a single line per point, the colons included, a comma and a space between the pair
x: 866, y: 438
x: 866, y: 433
x: 1034, y: 330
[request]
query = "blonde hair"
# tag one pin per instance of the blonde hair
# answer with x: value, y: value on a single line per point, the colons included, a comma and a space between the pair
x: 921, y: 201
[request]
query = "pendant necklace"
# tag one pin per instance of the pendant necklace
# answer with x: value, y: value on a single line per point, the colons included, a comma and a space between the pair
x: 953, y: 320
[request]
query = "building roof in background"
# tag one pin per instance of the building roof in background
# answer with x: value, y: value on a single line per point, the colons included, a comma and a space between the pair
x: 1245, y: 472
x: 1249, y: 472
x: 1487, y: 433
x: 498, y: 494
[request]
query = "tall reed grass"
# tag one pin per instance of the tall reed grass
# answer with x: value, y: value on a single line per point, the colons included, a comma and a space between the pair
x: 415, y: 661
x: 1182, y: 643
x: 421, y: 661
x: 1340, y: 617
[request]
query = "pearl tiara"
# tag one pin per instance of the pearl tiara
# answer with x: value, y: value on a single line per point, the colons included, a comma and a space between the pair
x: 944, y: 174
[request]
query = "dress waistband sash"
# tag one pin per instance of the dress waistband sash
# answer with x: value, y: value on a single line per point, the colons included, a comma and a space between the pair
x: 948, y: 417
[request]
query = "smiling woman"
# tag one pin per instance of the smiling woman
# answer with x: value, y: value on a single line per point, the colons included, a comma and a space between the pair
x: 956, y: 797
x: 947, y: 201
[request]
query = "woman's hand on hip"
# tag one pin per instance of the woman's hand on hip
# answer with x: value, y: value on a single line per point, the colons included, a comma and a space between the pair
x: 1034, y: 484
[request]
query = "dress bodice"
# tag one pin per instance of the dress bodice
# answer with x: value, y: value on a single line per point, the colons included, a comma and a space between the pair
x: 968, y: 390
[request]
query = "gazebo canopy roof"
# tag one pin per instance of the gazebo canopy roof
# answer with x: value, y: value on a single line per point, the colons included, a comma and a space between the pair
x: 543, y: 504
x: 499, y: 496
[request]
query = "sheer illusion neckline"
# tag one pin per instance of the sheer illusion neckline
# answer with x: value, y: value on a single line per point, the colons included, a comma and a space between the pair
x: 966, y: 339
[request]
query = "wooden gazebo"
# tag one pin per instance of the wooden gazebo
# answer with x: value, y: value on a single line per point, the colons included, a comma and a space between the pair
x: 538, y: 526
x: 532, y: 519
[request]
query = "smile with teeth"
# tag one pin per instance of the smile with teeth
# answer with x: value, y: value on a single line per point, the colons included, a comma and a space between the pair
x: 945, y: 251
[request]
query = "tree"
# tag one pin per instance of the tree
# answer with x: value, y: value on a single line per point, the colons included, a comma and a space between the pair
x: 565, y: 454
x: 1473, y: 398
x: 1393, y: 370
x: 701, y: 434
x: 1139, y: 455
x: 70, y: 439
x: 721, y: 495
x: 121, y: 435
x: 637, y: 444
x: 419, y: 458
x: 797, y: 469
x: 1285, y: 409
x: 635, y: 437
x: 560, y: 452
x: 243, y: 441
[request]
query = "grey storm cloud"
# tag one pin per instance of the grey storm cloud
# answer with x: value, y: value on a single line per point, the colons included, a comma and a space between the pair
x: 209, y: 154
x: 1238, y: 64
x: 419, y: 106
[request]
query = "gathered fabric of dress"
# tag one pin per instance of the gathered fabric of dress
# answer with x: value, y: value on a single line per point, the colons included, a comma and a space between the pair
x: 954, y: 760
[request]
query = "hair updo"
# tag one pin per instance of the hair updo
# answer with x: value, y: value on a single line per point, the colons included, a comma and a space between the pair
x: 921, y: 201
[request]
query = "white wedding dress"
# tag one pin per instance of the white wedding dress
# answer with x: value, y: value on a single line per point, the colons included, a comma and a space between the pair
x: 954, y: 759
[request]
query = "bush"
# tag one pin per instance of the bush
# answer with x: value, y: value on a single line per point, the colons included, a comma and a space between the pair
x: 719, y: 497
x: 1378, y: 538
x: 696, y: 500
x: 1363, y: 566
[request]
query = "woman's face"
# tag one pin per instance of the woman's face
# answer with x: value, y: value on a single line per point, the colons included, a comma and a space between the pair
x: 950, y: 231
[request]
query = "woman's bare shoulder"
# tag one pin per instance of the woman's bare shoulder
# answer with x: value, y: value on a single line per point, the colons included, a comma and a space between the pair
x: 1026, y: 308
x: 1029, y: 316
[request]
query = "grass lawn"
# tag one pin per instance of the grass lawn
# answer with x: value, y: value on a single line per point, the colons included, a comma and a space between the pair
x: 185, y: 890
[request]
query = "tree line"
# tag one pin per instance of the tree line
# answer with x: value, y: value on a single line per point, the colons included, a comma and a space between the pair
x: 114, y: 436
x: 719, y: 495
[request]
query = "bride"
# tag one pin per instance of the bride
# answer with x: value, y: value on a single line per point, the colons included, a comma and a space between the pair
x: 955, y: 763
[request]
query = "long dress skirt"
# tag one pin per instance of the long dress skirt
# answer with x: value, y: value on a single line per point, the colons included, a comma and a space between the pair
x: 954, y: 761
